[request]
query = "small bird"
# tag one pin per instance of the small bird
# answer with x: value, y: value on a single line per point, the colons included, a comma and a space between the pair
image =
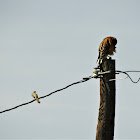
x: 106, y: 48
x: 34, y: 95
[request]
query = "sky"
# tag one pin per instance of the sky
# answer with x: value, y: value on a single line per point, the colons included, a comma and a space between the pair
x: 46, y: 45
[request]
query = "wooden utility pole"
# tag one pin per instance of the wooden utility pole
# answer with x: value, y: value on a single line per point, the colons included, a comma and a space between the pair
x: 106, y: 118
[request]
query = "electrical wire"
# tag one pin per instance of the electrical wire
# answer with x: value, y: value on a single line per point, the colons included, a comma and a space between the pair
x: 81, y: 81
x: 125, y: 72
x: 96, y: 75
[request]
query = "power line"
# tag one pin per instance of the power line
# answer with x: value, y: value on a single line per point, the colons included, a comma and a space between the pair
x: 126, y: 72
x: 97, y: 74
x: 81, y: 81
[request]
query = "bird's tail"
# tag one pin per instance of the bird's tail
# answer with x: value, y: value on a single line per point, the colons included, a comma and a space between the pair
x: 37, y: 100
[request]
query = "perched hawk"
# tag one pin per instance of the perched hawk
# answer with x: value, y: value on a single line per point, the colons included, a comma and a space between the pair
x: 107, y: 47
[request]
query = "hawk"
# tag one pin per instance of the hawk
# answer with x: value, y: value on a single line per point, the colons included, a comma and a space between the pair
x: 106, y: 48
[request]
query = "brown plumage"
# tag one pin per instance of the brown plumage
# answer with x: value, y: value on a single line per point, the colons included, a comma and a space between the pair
x: 34, y: 95
x: 107, y: 47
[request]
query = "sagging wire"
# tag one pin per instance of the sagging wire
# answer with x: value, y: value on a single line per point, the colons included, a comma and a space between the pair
x: 128, y: 76
x: 99, y: 74
x: 96, y: 74
x: 81, y: 81
x: 119, y: 79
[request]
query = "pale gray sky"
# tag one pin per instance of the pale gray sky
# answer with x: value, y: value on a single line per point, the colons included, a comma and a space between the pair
x: 48, y: 44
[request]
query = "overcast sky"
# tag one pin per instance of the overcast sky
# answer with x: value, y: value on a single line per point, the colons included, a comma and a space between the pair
x: 46, y: 45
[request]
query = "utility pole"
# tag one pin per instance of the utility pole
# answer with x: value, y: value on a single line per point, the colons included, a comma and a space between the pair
x: 106, y: 118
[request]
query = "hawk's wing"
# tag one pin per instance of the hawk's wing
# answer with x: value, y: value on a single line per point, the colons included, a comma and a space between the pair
x: 103, y: 50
